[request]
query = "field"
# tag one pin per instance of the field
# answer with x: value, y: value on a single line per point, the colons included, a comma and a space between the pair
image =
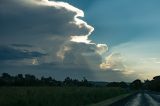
x: 55, y: 96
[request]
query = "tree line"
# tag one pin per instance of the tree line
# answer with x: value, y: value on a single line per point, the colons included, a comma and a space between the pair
x: 30, y: 80
x: 153, y: 85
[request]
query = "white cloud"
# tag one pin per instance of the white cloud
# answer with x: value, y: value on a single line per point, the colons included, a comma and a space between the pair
x: 62, y: 51
x: 55, y: 27
x: 113, y: 61
x: 80, y: 39
x: 116, y: 62
x: 101, y: 48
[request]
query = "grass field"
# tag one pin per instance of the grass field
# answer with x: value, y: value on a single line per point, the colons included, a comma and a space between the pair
x: 55, y: 96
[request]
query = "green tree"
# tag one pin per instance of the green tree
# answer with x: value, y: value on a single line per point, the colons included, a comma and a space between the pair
x: 136, y: 84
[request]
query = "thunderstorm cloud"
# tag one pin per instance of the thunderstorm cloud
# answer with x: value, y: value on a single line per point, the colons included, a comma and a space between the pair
x: 43, y: 36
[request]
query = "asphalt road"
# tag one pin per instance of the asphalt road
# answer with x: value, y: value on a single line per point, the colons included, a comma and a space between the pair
x: 144, y: 98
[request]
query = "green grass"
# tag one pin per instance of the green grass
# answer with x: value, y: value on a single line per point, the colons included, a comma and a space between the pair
x: 55, y: 96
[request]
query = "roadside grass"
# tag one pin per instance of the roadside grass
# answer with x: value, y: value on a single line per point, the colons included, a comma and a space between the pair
x: 110, y: 101
x: 56, y: 96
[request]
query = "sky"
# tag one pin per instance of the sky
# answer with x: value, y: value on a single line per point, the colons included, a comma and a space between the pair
x: 102, y: 40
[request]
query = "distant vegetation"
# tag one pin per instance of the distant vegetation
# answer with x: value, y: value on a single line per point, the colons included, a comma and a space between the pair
x: 153, y: 85
x: 27, y: 90
x: 31, y: 80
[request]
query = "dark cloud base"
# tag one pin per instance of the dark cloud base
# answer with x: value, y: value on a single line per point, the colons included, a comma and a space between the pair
x: 9, y: 53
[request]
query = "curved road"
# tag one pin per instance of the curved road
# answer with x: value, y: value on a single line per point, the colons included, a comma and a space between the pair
x: 140, y: 99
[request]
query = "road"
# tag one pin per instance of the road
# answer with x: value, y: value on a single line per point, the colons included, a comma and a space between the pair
x: 144, y: 98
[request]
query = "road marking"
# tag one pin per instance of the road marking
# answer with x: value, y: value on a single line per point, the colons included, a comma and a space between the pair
x: 152, y: 101
x: 156, y: 97
x: 135, y: 101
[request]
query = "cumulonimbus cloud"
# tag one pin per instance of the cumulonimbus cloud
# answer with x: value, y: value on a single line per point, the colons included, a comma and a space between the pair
x: 55, y: 37
x: 54, y: 26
